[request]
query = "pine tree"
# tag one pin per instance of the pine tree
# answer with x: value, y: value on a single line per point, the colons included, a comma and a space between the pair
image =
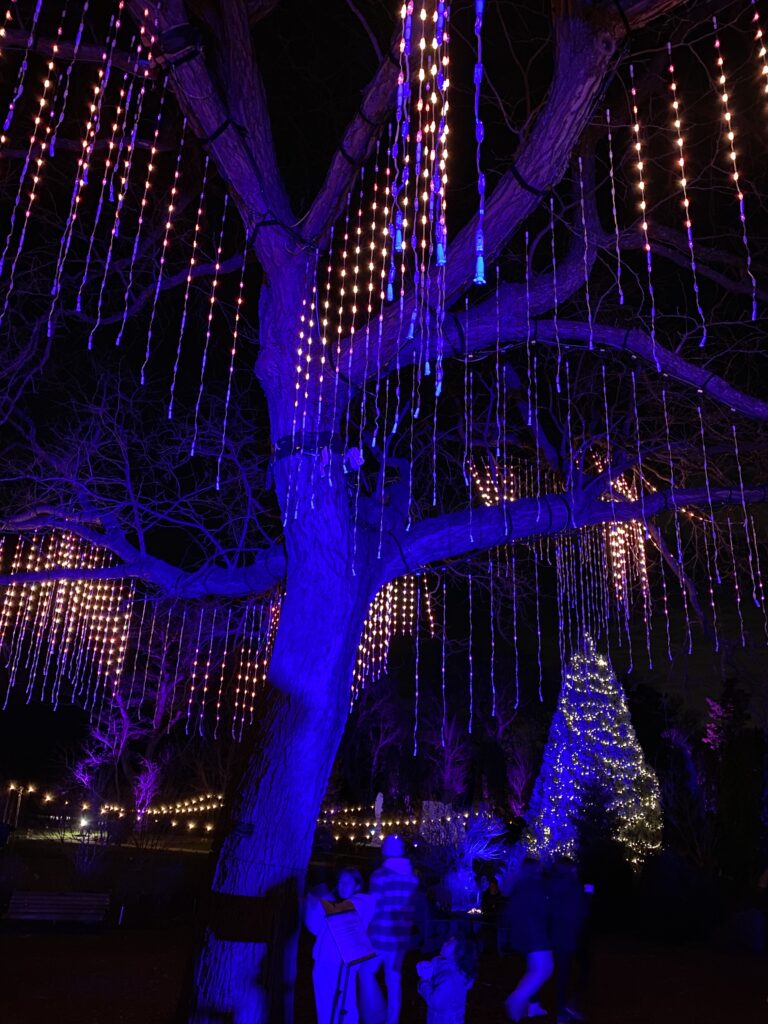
x: 592, y: 748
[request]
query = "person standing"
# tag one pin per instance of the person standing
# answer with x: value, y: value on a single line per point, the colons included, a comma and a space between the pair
x: 526, y: 919
x: 568, y: 906
x: 445, y: 981
x: 327, y: 974
x: 395, y: 920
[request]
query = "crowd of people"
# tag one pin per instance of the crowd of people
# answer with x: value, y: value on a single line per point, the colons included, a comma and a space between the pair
x: 540, y: 910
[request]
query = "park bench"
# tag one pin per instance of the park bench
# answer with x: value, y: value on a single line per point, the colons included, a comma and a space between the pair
x: 69, y: 907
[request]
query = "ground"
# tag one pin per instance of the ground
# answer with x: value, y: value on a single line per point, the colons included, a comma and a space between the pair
x: 132, y: 976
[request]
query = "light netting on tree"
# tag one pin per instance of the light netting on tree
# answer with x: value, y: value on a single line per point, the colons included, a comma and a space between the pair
x: 593, y: 766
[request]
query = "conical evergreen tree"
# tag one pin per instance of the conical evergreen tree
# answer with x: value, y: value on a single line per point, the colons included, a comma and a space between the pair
x: 592, y: 748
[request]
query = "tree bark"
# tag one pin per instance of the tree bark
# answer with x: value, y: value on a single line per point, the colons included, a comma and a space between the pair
x: 246, y: 967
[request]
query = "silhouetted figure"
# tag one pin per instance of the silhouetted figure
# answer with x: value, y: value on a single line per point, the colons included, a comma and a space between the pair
x: 394, y: 925
x: 446, y: 979
x: 567, y: 909
x: 526, y: 919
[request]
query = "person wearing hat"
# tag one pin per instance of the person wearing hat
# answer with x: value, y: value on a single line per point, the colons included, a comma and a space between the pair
x: 394, y: 924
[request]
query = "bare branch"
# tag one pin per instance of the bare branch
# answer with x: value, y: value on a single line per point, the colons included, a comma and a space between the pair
x: 462, y: 533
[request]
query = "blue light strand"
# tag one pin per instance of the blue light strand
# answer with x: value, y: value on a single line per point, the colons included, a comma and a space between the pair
x: 124, y: 182
x: 188, y: 285
x: 678, y: 538
x: 142, y: 207
x: 612, y: 176
x: 686, y: 204
x: 643, y: 211
x: 230, y: 373
x: 164, y: 247
x: 81, y: 178
x: 209, y: 324
x: 586, y: 254
x: 21, y: 75
x: 110, y: 170
x: 479, y: 277
x: 734, y: 175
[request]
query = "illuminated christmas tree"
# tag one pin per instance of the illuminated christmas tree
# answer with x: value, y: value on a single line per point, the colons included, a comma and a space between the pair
x: 592, y: 748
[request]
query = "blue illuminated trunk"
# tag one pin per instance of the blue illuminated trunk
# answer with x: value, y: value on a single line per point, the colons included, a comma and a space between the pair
x: 246, y: 965
x: 246, y: 968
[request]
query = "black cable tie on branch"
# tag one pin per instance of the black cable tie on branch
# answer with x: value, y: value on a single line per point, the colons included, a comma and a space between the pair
x: 350, y: 160
x: 179, y: 44
x: 368, y: 121
x: 265, y: 222
x: 533, y: 189
x: 227, y: 123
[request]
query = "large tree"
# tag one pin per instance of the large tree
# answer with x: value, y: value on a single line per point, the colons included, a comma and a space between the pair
x: 263, y: 86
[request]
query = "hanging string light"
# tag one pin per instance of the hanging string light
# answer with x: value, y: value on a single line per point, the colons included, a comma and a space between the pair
x: 174, y: 190
x: 209, y: 323
x: 730, y: 135
x: 586, y: 253
x: 479, y: 277
x: 612, y: 176
x: 125, y: 177
x: 151, y: 166
x: 644, y: 211
x: 21, y: 74
x: 88, y: 144
x: 677, y: 123
x: 37, y: 144
x: 188, y: 285
x: 232, y: 357
x: 111, y: 165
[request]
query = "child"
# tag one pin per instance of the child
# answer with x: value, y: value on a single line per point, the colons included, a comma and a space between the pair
x: 446, y: 980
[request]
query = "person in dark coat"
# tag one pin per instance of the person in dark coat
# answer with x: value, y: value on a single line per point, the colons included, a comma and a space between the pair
x: 567, y: 909
x: 526, y: 921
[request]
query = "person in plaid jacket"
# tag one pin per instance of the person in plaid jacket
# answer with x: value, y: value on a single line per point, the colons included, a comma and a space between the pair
x: 394, y: 926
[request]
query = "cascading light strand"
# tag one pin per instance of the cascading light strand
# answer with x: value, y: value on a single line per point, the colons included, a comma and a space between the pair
x: 151, y: 166
x: 209, y: 324
x: 174, y: 191
x: 37, y: 143
x: 119, y: 126
x: 614, y: 212
x: 643, y: 204
x: 21, y: 75
x: 188, y: 285
x: 730, y: 135
x: 687, y: 222
x: 87, y: 148
x: 479, y: 277
x: 231, y: 370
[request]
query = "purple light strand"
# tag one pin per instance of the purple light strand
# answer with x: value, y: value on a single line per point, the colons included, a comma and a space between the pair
x: 231, y: 370
x: 151, y: 165
x: 188, y: 285
x: 612, y: 176
x: 479, y: 276
x: 164, y: 248
x: 731, y: 135
x: 209, y: 323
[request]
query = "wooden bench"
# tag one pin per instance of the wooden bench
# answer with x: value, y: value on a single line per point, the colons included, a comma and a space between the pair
x: 70, y: 907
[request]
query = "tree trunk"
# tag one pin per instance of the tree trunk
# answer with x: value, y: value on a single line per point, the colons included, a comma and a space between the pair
x: 246, y: 967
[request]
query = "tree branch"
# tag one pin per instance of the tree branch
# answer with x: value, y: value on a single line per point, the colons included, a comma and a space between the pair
x: 211, y: 119
x: 262, y: 575
x: 356, y: 145
x: 468, y: 532
x: 481, y: 332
